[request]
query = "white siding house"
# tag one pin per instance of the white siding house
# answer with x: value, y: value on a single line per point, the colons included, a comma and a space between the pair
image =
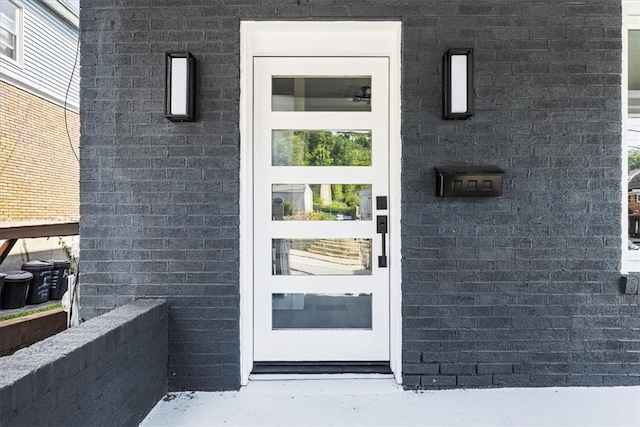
x: 45, y: 63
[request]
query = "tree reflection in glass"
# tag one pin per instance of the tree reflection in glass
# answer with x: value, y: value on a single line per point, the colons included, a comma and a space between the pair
x: 320, y: 148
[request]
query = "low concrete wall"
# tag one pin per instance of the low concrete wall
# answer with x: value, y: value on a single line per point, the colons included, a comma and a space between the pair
x: 110, y: 371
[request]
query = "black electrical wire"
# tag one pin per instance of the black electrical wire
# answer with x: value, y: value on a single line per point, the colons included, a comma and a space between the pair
x: 73, y: 298
x: 66, y: 98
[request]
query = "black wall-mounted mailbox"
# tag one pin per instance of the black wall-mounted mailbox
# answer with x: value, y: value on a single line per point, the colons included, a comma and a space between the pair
x: 455, y: 181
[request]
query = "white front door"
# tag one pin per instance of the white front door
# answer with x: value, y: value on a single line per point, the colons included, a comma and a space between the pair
x: 320, y: 199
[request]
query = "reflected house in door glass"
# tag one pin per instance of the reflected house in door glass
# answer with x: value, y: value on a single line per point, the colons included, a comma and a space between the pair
x: 366, y: 204
x: 322, y: 202
x: 296, y: 197
x: 634, y: 200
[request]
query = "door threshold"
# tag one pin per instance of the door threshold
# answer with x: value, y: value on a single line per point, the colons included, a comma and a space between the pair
x: 316, y: 368
x: 292, y: 377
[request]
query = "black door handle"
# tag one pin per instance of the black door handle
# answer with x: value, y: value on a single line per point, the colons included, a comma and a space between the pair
x: 382, y: 228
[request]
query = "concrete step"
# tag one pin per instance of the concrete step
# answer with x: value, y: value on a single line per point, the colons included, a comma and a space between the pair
x: 338, y: 248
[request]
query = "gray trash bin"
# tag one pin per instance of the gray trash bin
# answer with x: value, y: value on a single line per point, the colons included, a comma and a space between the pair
x: 39, y: 289
x: 59, y: 278
x: 15, y: 289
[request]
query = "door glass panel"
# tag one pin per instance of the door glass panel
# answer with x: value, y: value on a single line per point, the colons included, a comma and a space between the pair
x: 321, y: 257
x: 320, y: 148
x: 321, y: 94
x: 321, y: 311
x: 634, y: 73
x: 321, y: 202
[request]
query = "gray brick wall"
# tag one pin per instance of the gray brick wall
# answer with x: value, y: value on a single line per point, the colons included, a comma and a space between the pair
x: 108, y: 371
x: 522, y: 290
x: 517, y: 290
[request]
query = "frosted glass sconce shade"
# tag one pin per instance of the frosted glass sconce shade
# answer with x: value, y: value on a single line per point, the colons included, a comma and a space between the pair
x: 180, y: 87
x: 458, y: 84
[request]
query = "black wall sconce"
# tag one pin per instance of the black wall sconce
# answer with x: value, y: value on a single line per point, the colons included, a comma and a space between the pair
x: 180, y: 87
x: 458, y: 84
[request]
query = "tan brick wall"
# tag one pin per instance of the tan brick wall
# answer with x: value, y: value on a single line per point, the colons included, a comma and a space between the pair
x: 39, y: 173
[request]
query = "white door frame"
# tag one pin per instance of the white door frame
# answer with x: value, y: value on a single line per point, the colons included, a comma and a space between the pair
x: 630, y: 261
x: 318, y: 38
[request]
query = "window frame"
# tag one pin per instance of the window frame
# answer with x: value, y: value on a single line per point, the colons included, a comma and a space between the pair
x: 19, y: 34
x: 630, y: 261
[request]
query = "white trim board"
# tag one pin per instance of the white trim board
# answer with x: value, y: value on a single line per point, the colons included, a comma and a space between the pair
x: 318, y: 38
x: 41, y: 92
x: 630, y: 261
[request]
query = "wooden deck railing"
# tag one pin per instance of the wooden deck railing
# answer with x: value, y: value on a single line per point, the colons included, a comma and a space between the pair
x: 10, y: 235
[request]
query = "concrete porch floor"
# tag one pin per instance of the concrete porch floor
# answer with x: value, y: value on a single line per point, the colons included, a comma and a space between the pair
x: 381, y: 402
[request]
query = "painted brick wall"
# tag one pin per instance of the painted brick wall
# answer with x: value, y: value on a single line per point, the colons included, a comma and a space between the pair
x: 520, y: 290
x: 109, y: 371
x: 39, y: 174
